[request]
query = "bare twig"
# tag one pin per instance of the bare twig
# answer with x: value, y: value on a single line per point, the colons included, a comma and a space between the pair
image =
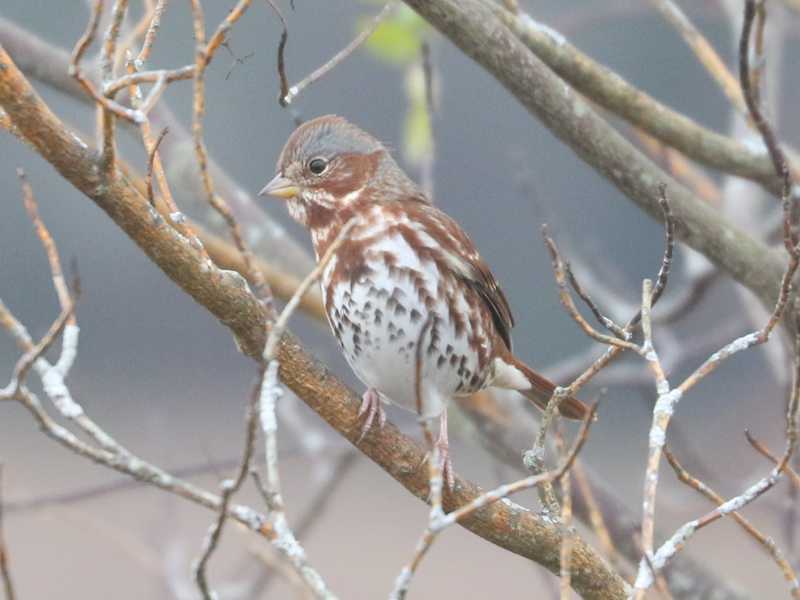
x: 290, y: 93
x: 560, y: 272
x: 106, y: 117
x: 152, y: 31
x: 203, y: 54
x: 608, y: 89
x: 106, y: 106
x: 617, y: 343
x: 436, y: 526
x: 436, y: 465
x: 269, y: 393
x: 794, y: 477
x: 766, y: 542
x: 596, y: 517
x: 150, y: 158
x: 657, y: 436
x: 221, y: 33
x: 154, y: 164
x: 5, y: 569
x: 705, y: 53
x: 47, y: 242
x: 777, y: 155
x: 228, y: 487
x: 283, y: 79
x: 565, y: 579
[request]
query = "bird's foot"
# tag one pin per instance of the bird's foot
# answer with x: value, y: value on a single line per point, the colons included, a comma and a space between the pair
x: 442, y: 448
x: 371, y: 407
x: 445, y: 464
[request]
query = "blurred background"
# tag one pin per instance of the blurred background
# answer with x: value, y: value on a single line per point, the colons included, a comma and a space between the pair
x: 167, y: 381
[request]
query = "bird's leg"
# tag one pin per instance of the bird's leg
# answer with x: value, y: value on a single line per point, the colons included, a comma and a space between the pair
x: 443, y: 447
x: 371, y: 406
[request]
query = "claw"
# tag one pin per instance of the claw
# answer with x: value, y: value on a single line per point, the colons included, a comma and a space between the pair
x: 372, y: 407
x: 443, y: 448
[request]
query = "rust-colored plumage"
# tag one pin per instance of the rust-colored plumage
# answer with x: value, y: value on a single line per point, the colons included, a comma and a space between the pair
x: 407, y: 285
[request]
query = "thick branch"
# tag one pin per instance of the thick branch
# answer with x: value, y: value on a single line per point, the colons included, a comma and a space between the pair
x: 472, y: 26
x: 224, y: 294
x: 612, y: 92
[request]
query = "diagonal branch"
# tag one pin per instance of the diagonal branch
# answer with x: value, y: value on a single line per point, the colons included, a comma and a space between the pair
x: 472, y: 26
x: 222, y: 294
x: 612, y: 92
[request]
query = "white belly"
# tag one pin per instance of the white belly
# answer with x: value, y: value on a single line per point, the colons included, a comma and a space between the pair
x: 379, y: 319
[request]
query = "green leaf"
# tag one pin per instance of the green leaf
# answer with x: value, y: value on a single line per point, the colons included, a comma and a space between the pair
x: 397, y: 39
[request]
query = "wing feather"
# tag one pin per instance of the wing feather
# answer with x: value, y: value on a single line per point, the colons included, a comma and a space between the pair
x: 466, y: 263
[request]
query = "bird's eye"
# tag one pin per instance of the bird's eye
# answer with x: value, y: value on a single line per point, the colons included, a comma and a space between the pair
x: 317, y: 165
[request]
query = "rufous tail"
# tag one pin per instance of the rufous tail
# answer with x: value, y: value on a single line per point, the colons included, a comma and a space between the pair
x: 541, y: 389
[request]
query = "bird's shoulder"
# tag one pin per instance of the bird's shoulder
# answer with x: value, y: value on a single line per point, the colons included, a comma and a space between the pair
x: 439, y: 235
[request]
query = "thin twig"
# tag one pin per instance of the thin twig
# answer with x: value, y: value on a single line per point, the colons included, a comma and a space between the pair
x: 47, y: 242
x: 221, y: 34
x: 155, y: 166
x: 794, y: 476
x: 203, y: 55
x: 565, y: 579
x: 152, y: 31
x: 435, y: 467
x: 135, y: 33
x: 704, y: 51
x: 106, y: 118
x: 777, y: 155
x: 290, y: 93
x: 151, y: 157
x: 283, y: 79
x: 766, y: 542
x: 5, y: 568
x: 445, y: 520
x: 596, y: 517
x: 228, y: 488
x: 269, y: 393
x: 560, y: 271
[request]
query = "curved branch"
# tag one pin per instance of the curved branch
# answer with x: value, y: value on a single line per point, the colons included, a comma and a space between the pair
x: 225, y: 295
x: 612, y: 92
x: 48, y: 63
x: 473, y: 27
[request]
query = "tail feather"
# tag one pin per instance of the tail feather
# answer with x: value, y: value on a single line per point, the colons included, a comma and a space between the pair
x: 535, y: 387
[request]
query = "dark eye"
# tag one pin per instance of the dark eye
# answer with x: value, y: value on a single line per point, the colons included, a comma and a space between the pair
x: 317, y: 165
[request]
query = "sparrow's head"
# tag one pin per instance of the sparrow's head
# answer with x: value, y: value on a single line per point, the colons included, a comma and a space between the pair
x: 329, y: 165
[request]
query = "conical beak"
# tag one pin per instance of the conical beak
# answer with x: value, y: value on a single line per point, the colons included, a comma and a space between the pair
x: 280, y: 187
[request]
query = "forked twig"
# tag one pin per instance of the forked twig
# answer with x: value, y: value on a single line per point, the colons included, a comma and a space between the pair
x: 228, y: 488
x: 203, y: 55
x: 503, y: 491
x: 269, y: 392
x: 658, y: 434
x: 766, y: 542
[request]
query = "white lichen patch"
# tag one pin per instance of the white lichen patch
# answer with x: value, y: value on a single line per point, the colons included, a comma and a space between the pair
x: 528, y: 23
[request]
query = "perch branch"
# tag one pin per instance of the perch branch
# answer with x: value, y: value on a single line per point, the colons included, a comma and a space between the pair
x: 222, y: 294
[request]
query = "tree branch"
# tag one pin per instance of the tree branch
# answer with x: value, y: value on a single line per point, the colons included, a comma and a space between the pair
x: 472, y: 26
x: 612, y: 92
x: 225, y: 295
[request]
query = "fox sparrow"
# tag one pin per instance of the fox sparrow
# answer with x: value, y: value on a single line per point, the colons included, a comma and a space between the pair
x: 407, y: 295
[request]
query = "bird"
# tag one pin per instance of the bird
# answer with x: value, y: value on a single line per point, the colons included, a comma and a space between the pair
x: 417, y: 313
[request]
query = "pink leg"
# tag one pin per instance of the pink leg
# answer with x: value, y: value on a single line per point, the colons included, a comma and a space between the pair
x: 371, y: 406
x: 443, y: 446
